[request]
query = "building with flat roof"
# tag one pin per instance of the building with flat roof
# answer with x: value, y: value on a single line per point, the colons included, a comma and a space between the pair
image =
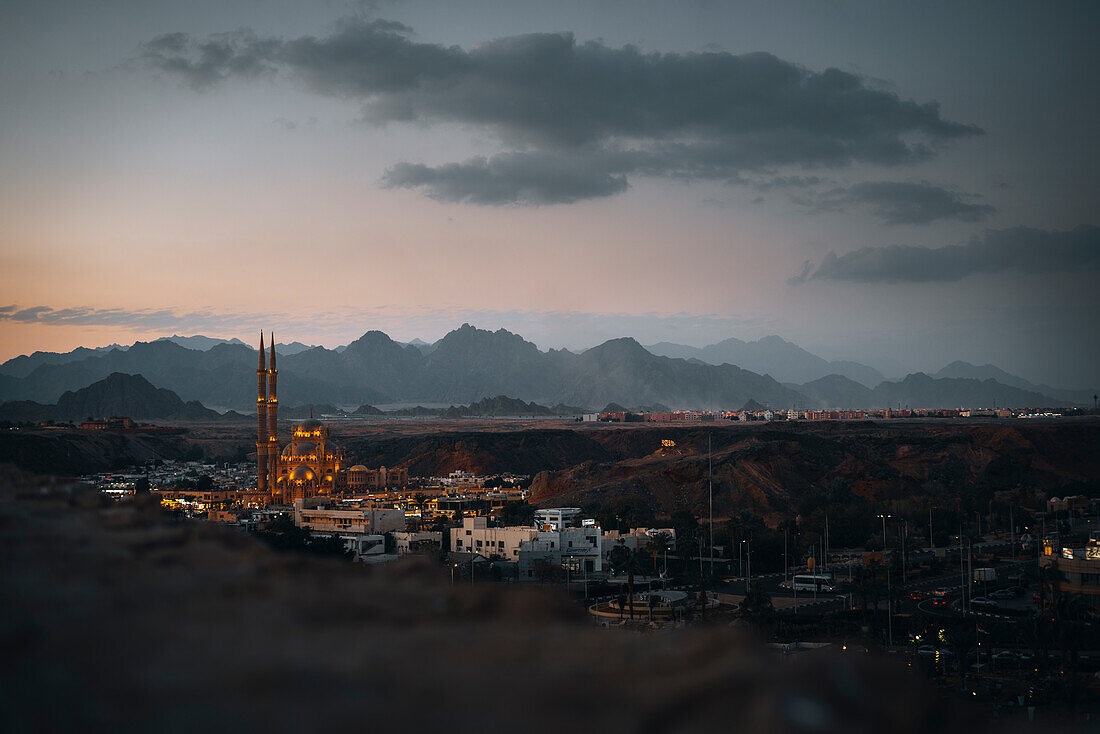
x: 324, y: 515
x: 556, y: 518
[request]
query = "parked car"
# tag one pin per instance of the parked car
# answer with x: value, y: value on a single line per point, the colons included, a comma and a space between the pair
x: 1002, y: 594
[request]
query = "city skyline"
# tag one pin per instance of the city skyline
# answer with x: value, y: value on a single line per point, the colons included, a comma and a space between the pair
x: 872, y: 182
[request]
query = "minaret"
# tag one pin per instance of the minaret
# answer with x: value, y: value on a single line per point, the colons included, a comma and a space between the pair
x: 273, y: 420
x: 261, y: 423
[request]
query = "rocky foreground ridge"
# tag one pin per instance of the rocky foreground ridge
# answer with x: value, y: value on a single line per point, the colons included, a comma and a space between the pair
x: 116, y: 619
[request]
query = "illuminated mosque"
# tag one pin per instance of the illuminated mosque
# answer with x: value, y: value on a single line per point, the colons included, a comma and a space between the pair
x: 308, y: 466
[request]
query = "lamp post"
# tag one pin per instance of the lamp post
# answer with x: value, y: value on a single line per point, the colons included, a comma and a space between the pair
x: 883, y: 517
x: 710, y: 492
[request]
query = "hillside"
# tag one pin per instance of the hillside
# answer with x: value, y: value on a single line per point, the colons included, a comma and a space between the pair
x: 921, y: 391
x: 960, y: 369
x: 773, y: 356
x: 118, y: 394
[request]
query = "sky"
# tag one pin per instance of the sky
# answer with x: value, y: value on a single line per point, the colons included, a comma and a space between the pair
x: 901, y: 184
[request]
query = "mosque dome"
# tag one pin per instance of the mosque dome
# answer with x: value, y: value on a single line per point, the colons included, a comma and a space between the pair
x: 302, y: 474
x: 308, y: 426
x: 358, y: 467
x: 303, y: 448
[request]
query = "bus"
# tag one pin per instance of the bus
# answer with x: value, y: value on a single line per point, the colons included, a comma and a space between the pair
x: 813, y: 582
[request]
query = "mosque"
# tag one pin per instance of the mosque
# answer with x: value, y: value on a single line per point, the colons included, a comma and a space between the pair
x: 309, y: 466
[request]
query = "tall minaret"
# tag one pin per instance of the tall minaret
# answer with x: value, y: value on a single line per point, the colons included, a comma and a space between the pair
x: 273, y: 420
x: 261, y: 422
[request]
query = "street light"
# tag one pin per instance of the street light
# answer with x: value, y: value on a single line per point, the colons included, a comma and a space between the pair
x: 889, y: 605
x: 884, y: 536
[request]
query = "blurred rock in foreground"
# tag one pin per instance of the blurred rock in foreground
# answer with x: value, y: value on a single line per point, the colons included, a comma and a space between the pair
x: 117, y: 619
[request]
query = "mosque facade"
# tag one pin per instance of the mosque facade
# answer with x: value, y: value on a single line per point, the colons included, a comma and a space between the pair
x: 309, y: 466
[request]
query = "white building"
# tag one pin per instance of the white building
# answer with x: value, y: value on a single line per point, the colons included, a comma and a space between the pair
x: 475, y: 536
x: 365, y: 546
x: 406, y: 542
x: 322, y: 515
x: 576, y: 548
x: 556, y: 518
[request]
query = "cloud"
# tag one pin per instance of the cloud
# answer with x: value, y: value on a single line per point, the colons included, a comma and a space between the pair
x: 608, y: 111
x: 509, y: 178
x: 548, y: 328
x: 1020, y: 249
x: 897, y: 202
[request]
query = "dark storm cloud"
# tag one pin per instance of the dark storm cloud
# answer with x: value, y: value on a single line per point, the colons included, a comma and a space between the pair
x: 896, y: 202
x: 691, y: 116
x: 205, y: 63
x: 509, y: 178
x: 1021, y: 249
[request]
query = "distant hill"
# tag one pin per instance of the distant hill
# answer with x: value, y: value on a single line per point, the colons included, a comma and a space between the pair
x: 300, y: 412
x: 919, y: 390
x: 922, y: 391
x: 773, y: 356
x: 502, y: 406
x: 960, y: 369
x: 834, y: 392
x: 199, y: 342
x: 205, y: 343
x: 120, y: 395
x: 24, y: 364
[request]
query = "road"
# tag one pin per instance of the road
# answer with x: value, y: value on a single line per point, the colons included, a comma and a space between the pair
x: 820, y: 603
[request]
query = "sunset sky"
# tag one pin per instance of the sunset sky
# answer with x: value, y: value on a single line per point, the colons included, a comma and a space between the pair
x: 903, y: 184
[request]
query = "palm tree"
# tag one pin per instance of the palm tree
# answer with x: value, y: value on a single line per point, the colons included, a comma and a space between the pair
x: 625, y: 559
x: 656, y: 544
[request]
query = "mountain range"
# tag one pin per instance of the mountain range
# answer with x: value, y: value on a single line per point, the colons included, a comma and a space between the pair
x: 469, y: 364
x: 773, y: 356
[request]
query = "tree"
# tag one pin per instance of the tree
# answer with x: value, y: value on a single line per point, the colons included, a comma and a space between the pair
x: 756, y: 608
x: 141, y: 486
x: 961, y: 637
x: 687, y: 533
x: 624, y: 559
x: 656, y: 545
x: 519, y: 513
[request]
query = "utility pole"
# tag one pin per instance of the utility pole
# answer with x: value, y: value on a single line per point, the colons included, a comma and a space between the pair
x: 889, y: 609
x: 785, y: 566
x: 931, y: 543
x: 883, y: 518
x: 962, y: 570
x: 1012, y: 532
x: 710, y: 488
x: 904, y: 532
